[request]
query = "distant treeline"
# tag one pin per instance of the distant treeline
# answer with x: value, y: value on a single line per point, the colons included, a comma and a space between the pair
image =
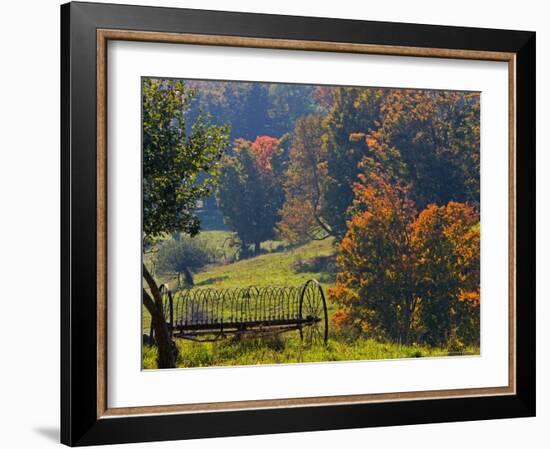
x: 259, y: 109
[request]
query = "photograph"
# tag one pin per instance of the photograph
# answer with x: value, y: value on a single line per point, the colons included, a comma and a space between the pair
x: 296, y: 223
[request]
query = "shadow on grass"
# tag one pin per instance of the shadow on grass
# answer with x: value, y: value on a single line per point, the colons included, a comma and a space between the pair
x: 211, y: 280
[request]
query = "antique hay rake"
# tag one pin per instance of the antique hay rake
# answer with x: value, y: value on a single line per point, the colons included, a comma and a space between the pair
x: 212, y: 314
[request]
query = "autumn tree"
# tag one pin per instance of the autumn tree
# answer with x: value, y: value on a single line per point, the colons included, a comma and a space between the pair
x: 446, y: 240
x: 301, y: 218
x: 250, y: 191
x: 430, y: 141
x: 405, y: 277
x: 375, y: 285
x: 175, y: 155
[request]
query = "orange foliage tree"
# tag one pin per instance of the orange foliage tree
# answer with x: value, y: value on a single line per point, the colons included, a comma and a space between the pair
x: 301, y: 213
x: 446, y: 240
x: 263, y: 149
x: 405, y: 276
x: 375, y: 284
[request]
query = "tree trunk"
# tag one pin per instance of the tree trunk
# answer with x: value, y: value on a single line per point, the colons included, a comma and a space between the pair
x: 188, y: 276
x: 153, y: 304
x: 257, y: 248
x: 244, y: 250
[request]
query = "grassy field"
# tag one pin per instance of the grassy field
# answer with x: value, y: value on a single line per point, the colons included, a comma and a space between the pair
x: 286, y: 349
x: 277, y: 266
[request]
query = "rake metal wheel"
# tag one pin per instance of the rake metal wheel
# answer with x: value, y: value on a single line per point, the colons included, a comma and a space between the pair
x: 313, y: 309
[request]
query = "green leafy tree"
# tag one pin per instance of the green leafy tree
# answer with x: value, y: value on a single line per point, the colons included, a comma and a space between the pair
x: 353, y: 110
x: 287, y: 103
x: 250, y: 191
x: 175, y: 155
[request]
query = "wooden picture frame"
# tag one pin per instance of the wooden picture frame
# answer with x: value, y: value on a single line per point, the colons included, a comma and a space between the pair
x: 85, y: 416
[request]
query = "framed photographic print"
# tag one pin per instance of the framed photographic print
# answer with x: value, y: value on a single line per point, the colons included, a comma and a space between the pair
x: 278, y: 224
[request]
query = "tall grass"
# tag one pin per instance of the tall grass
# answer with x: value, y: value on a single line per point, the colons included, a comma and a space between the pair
x: 289, y: 349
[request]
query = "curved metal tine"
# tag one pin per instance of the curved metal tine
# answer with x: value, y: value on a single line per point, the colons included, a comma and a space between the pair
x: 198, y: 300
x: 178, y: 302
x: 212, y: 313
x: 247, y: 304
x: 245, y: 297
x: 251, y: 303
x: 320, y: 303
x: 231, y: 299
x: 175, y: 297
x: 296, y: 300
x: 265, y: 307
x: 289, y: 303
x: 201, y: 306
x: 217, y: 307
x: 270, y: 297
x: 255, y: 292
x: 189, y: 306
x: 191, y: 302
x: 288, y: 309
x: 213, y: 301
x: 237, y: 304
x: 280, y: 303
x: 260, y: 302
x: 228, y: 305
x: 183, y: 306
x: 240, y: 304
x: 221, y: 310
x: 175, y: 300
x: 309, y: 297
x: 252, y: 297
x: 269, y: 301
x: 204, y: 310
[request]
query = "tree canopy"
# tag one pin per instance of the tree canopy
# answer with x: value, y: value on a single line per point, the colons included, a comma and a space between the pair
x: 175, y: 155
x: 250, y: 190
x: 406, y: 276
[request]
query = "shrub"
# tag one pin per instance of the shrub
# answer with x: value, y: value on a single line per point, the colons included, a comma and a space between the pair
x: 315, y: 264
x: 185, y: 255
